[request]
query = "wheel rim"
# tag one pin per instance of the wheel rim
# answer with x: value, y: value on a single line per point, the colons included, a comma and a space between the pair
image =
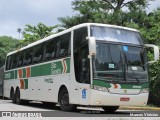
x: 65, y: 100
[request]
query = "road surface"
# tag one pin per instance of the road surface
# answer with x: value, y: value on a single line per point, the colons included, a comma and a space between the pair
x: 38, y: 110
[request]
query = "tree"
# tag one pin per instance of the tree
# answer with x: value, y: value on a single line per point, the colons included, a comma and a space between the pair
x: 7, y: 44
x: 34, y: 33
x: 103, y: 11
x: 19, y: 31
x: 134, y: 16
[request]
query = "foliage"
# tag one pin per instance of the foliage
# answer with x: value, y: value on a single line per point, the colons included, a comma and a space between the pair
x: 154, y: 96
x: 152, y: 34
x: 130, y: 14
x: 7, y: 44
x: 34, y: 33
x: 105, y: 11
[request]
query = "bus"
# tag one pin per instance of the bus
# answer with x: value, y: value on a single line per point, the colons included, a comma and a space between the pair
x: 1, y: 81
x: 90, y: 64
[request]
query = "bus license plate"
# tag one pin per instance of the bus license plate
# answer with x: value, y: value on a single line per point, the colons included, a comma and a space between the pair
x: 124, y: 99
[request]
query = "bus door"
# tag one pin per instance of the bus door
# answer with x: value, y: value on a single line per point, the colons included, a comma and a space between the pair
x: 82, y: 73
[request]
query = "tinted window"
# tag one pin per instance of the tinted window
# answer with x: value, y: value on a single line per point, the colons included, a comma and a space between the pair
x: 38, y: 53
x: 28, y: 57
x: 63, y: 45
x: 80, y: 37
x: 8, y: 63
x: 50, y: 49
x: 20, y: 58
x: 14, y: 62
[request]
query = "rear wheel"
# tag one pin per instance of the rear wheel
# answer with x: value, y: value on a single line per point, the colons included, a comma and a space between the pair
x: 17, y: 97
x: 64, y: 101
x: 110, y: 109
x: 12, y: 96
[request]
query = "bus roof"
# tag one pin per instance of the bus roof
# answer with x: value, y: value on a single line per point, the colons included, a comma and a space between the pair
x: 68, y: 30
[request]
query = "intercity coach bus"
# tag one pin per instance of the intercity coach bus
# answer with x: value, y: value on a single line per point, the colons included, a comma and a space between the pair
x: 89, y: 64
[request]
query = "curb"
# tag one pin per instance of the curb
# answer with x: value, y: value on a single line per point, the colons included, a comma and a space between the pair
x: 139, y: 108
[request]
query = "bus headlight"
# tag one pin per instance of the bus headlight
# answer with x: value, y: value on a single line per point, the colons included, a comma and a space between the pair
x: 100, y: 88
x: 145, y: 90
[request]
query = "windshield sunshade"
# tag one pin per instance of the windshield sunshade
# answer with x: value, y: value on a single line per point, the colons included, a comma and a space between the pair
x: 116, y: 35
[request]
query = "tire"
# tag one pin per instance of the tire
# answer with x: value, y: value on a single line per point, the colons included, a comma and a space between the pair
x: 110, y: 109
x: 64, y: 101
x: 17, y: 97
x: 13, y: 96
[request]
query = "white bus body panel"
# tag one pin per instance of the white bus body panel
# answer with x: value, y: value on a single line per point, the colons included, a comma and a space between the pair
x: 101, y: 98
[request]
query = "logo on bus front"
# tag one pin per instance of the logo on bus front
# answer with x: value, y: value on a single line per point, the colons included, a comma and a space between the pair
x: 7, y: 75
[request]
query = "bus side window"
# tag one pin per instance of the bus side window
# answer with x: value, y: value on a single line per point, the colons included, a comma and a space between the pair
x: 58, y: 49
x: 63, y: 45
x: 38, y: 53
x: 27, y: 57
x: 8, y: 63
x: 20, y: 60
x: 11, y: 61
x: 50, y: 50
x: 25, y: 61
x: 14, y: 62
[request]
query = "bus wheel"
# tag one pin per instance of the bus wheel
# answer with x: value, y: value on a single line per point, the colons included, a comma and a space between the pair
x: 64, y: 101
x: 110, y: 109
x: 12, y: 96
x: 17, y: 97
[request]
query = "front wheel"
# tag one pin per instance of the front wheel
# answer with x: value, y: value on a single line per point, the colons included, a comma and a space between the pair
x: 110, y: 109
x: 64, y: 101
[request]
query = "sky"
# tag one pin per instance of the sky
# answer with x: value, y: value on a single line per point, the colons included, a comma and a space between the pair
x: 16, y: 14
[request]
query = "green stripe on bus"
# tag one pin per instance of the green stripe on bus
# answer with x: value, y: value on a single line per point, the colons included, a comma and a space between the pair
x: 134, y: 86
x: 9, y: 75
x: 24, y: 72
x: 15, y: 74
x: 68, y: 65
x: 122, y: 86
x: 26, y: 83
x: 39, y: 71
x: 52, y: 68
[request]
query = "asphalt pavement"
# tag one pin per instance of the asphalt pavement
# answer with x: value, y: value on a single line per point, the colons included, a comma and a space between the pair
x: 38, y: 110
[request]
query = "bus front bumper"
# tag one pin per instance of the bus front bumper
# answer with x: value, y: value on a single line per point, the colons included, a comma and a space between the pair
x: 100, y: 98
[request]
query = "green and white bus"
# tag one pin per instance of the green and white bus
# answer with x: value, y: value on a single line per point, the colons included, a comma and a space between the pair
x: 89, y: 64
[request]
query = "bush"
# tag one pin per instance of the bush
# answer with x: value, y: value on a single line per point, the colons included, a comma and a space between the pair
x: 154, y: 76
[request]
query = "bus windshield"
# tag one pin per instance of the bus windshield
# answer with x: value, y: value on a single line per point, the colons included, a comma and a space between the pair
x: 120, y: 63
x: 116, y: 35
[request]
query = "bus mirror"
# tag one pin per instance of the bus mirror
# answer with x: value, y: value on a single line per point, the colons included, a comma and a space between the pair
x: 155, y: 50
x: 92, y: 45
